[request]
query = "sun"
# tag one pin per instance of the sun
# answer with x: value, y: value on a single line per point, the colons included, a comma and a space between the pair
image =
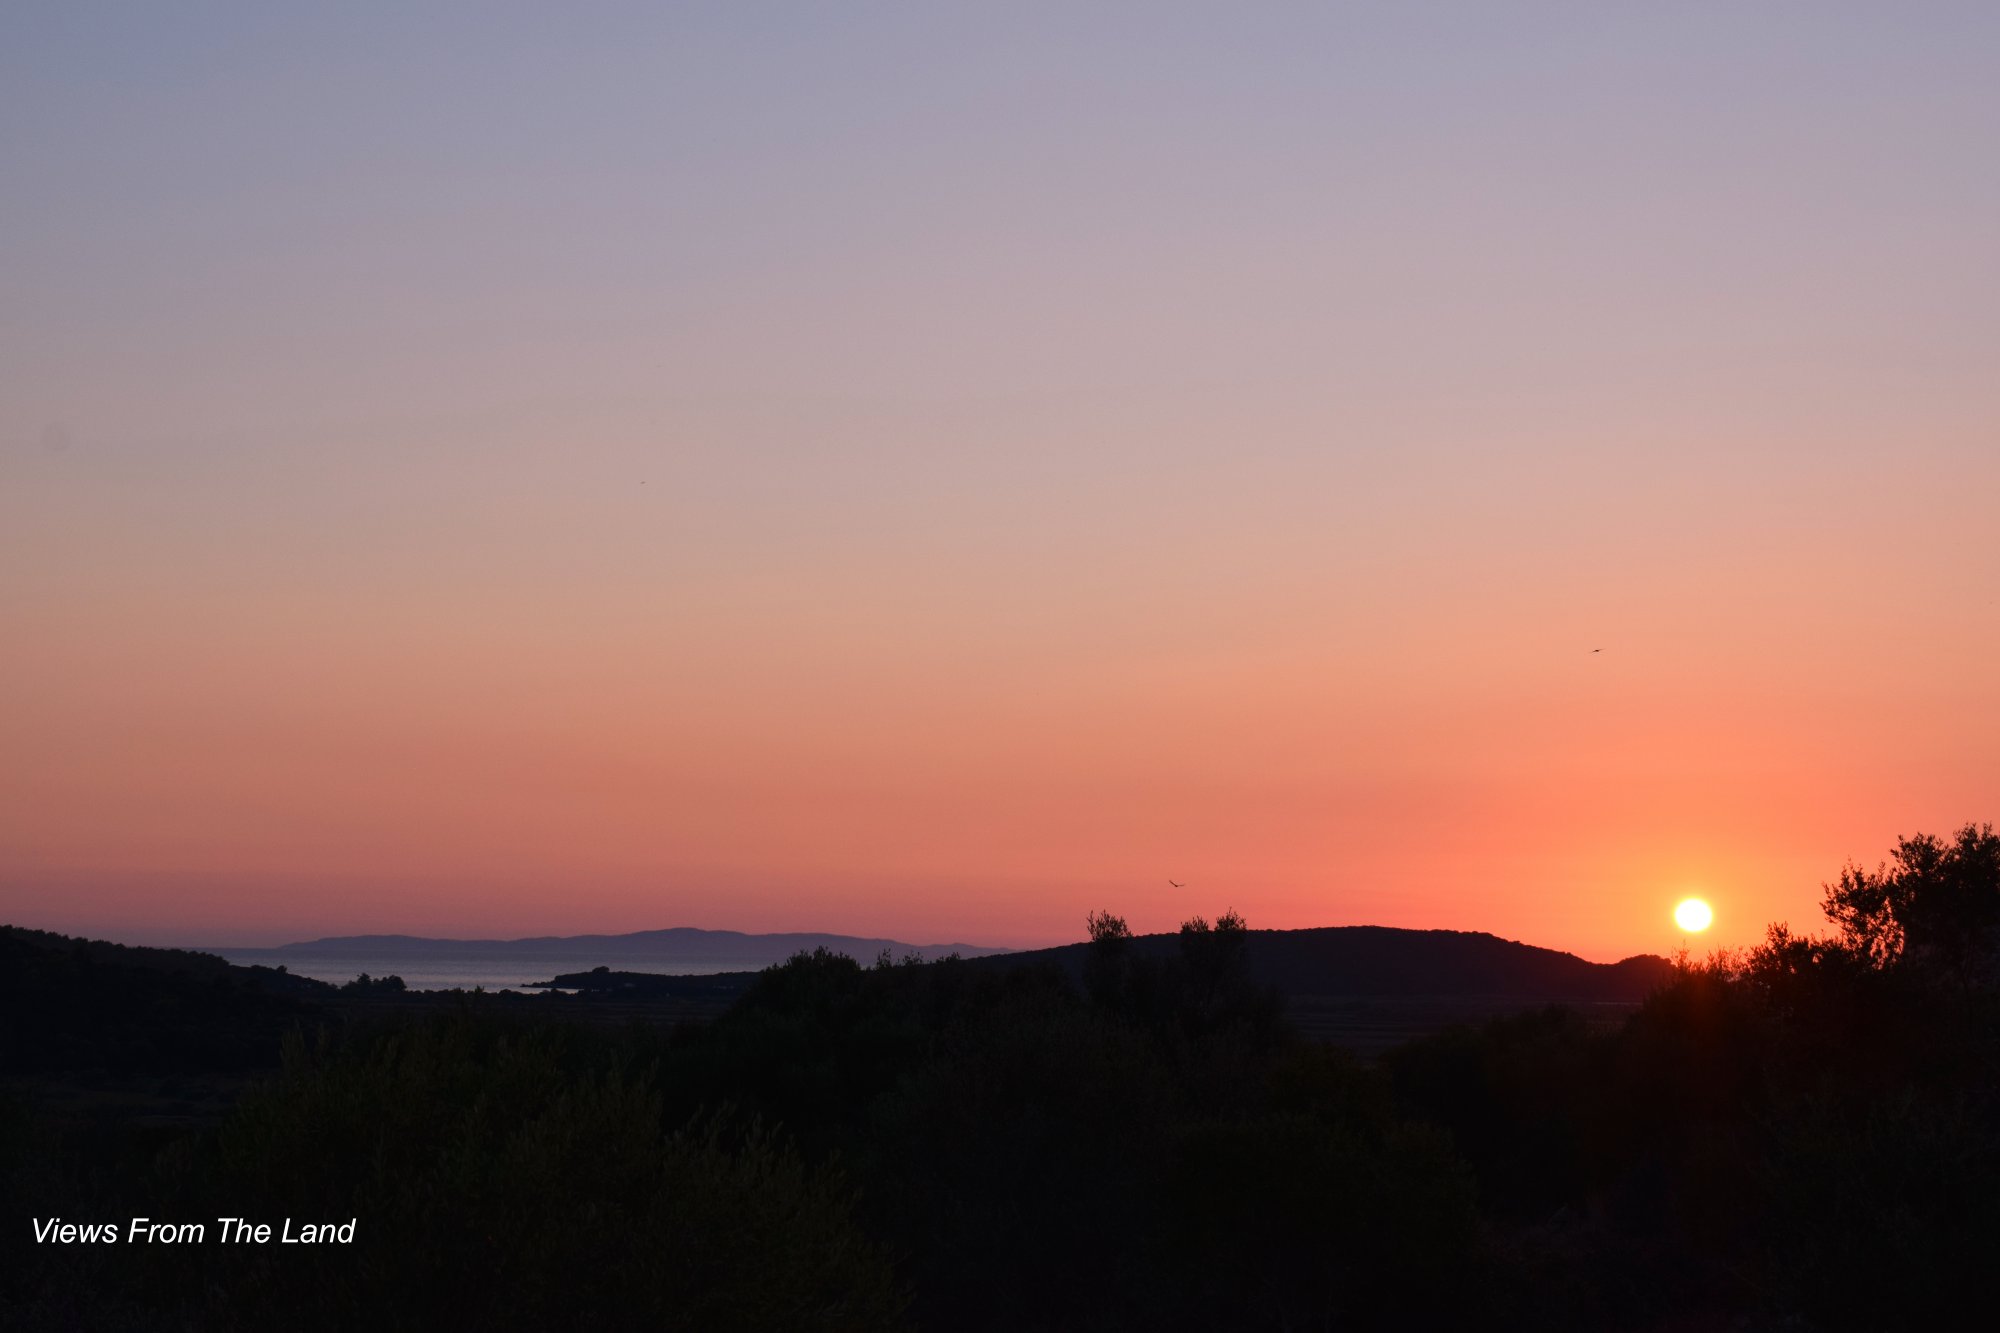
x: 1693, y: 915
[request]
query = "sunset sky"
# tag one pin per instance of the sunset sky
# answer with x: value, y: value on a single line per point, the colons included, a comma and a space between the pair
x: 498, y: 470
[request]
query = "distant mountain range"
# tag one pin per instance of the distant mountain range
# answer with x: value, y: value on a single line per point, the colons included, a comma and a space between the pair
x: 680, y: 944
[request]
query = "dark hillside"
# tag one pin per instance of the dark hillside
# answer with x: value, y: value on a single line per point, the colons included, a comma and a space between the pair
x: 87, y: 1005
x: 1385, y: 962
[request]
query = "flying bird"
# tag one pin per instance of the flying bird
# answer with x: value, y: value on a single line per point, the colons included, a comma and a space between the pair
x: 1177, y: 884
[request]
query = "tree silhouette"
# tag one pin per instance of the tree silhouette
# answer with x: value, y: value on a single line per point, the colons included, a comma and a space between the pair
x: 1106, y: 970
x: 1106, y: 929
x: 1933, y: 909
x: 1214, y: 960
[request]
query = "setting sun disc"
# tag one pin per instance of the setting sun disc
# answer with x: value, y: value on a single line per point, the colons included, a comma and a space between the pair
x: 1693, y: 915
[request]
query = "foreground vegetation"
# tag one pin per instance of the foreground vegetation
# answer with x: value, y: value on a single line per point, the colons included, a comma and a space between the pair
x: 1803, y: 1137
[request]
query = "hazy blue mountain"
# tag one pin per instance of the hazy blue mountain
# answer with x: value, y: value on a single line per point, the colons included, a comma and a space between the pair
x: 681, y: 943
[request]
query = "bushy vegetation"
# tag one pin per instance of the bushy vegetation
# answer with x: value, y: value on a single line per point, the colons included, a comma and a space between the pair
x: 367, y: 985
x: 1799, y: 1137
x: 1158, y: 1153
x: 1806, y: 1134
x: 516, y: 1176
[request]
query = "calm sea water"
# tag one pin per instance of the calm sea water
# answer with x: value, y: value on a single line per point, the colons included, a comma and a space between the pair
x: 497, y: 971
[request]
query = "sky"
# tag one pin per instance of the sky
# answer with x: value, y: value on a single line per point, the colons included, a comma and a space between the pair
x: 933, y: 471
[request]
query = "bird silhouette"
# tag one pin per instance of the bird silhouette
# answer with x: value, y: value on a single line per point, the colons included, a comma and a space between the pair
x: 1177, y: 884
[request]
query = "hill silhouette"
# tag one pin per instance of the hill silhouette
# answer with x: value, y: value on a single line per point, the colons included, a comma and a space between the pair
x: 1327, y: 962
x: 70, y: 1003
x: 652, y: 985
x: 1388, y: 962
x: 37, y: 958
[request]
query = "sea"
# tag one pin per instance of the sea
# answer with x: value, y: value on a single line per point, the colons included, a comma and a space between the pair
x: 463, y: 969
